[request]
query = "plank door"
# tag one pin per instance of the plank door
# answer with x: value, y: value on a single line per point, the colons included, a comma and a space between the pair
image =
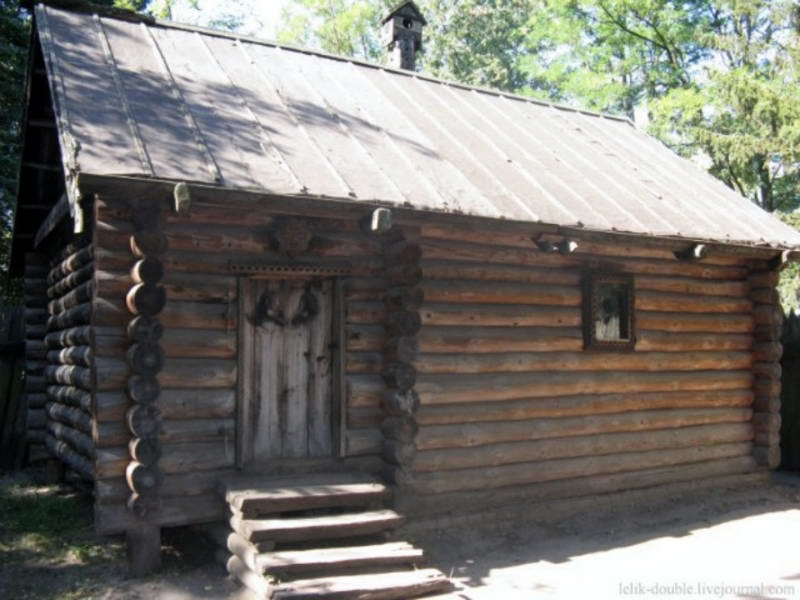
x: 291, y: 363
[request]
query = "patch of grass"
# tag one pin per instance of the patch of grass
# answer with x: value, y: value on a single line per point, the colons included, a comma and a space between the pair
x: 47, y: 545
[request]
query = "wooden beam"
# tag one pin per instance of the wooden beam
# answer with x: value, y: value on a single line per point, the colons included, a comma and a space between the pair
x: 58, y: 213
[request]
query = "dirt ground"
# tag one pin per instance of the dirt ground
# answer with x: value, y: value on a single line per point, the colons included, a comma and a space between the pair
x: 742, y: 543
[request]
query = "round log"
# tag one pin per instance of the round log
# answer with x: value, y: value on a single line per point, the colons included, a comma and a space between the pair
x: 147, y: 270
x: 397, y: 403
x: 483, y: 387
x: 145, y: 330
x: 72, y: 396
x: 143, y: 389
x: 569, y: 468
x: 767, y: 456
x: 80, y: 295
x: 403, y: 348
x: 404, y: 298
x: 80, y: 442
x: 144, y: 421
x: 764, y: 296
x: 402, y: 322
x: 148, y: 243
x: 74, y: 355
x: 399, y: 375
x: 767, y: 351
x: 75, y: 336
x: 69, y: 415
x: 36, y: 316
x: 71, y: 281
x: 79, y: 315
x: 480, y: 434
x: 574, y: 446
x: 404, y: 274
x: 767, y: 386
x: 146, y: 299
x: 766, y: 421
x: 572, y: 406
x: 399, y: 453
x: 35, y: 349
x: 143, y: 480
x: 72, y: 459
x: 767, y: 404
x: 70, y: 265
x: 767, y: 314
x: 581, y: 361
x: 400, y: 429
x: 146, y: 451
x: 398, y: 475
x: 35, y: 385
x: 70, y: 375
x: 144, y: 506
x: 403, y: 253
x: 145, y: 359
x: 763, y: 279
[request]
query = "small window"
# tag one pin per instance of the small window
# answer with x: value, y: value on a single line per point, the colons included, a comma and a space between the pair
x: 608, y: 312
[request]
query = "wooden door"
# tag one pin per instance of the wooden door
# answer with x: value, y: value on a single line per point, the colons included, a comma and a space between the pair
x: 290, y: 369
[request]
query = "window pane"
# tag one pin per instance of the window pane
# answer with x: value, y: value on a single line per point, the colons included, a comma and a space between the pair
x: 612, y: 313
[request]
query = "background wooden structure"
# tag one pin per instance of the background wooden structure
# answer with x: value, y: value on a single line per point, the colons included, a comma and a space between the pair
x: 790, y: 393
x: 13, y: 405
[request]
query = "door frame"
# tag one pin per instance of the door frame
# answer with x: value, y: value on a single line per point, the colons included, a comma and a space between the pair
x: 245, y: 355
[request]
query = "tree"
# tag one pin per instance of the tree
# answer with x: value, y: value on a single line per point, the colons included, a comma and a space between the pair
x: 479, y: 42
x: 346, y: 27
x: 13, y: 56
x: 719, y: 77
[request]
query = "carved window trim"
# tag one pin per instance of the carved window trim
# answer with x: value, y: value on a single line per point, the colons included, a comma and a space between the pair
x: 590, y: 300
x: 287, y: 270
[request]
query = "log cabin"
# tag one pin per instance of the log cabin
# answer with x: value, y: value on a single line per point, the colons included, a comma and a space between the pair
x: 315, y: 298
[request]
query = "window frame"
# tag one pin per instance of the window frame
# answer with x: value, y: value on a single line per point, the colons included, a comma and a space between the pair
x: 591, y: 282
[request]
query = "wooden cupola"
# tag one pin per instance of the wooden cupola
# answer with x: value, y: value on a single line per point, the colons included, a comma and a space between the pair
x: 402, y: 31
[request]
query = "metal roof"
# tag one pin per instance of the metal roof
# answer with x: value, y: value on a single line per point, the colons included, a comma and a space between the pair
x: 178, y: 103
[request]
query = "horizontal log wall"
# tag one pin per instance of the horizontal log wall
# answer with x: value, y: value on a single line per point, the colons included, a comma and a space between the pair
x: 511, y: 401
x: 67, y: 348
x: 199, y: 341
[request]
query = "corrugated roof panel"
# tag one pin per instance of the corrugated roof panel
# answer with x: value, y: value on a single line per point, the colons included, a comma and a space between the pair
x: 171, y: 102
x: 85, y: 93
x: 166, y: 134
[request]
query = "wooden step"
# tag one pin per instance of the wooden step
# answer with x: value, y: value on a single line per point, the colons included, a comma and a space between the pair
x: 332, y: 559
x: 381, y: 586
x: 264, y: 495
x: 296, y: 529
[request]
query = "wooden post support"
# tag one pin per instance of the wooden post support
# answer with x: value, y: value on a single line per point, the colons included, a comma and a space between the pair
x: 143, y: 545
x: 402, y: 300
x: 54, y: 471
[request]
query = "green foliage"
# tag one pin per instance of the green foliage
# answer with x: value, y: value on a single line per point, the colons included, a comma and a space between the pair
x: 347, y: 27
x: 14, y: 34
x: 479, y: 42
x: 789, y: 285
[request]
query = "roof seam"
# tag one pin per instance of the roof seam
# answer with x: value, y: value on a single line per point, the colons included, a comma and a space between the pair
x: 141, y: 150
x: 211, y: 164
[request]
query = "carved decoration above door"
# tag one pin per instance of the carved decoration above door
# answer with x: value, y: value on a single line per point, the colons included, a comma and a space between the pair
x: 293, y: 236
x: 283, y: 308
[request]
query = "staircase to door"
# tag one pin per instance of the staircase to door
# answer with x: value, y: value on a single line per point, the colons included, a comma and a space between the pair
x: 319, y: 536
